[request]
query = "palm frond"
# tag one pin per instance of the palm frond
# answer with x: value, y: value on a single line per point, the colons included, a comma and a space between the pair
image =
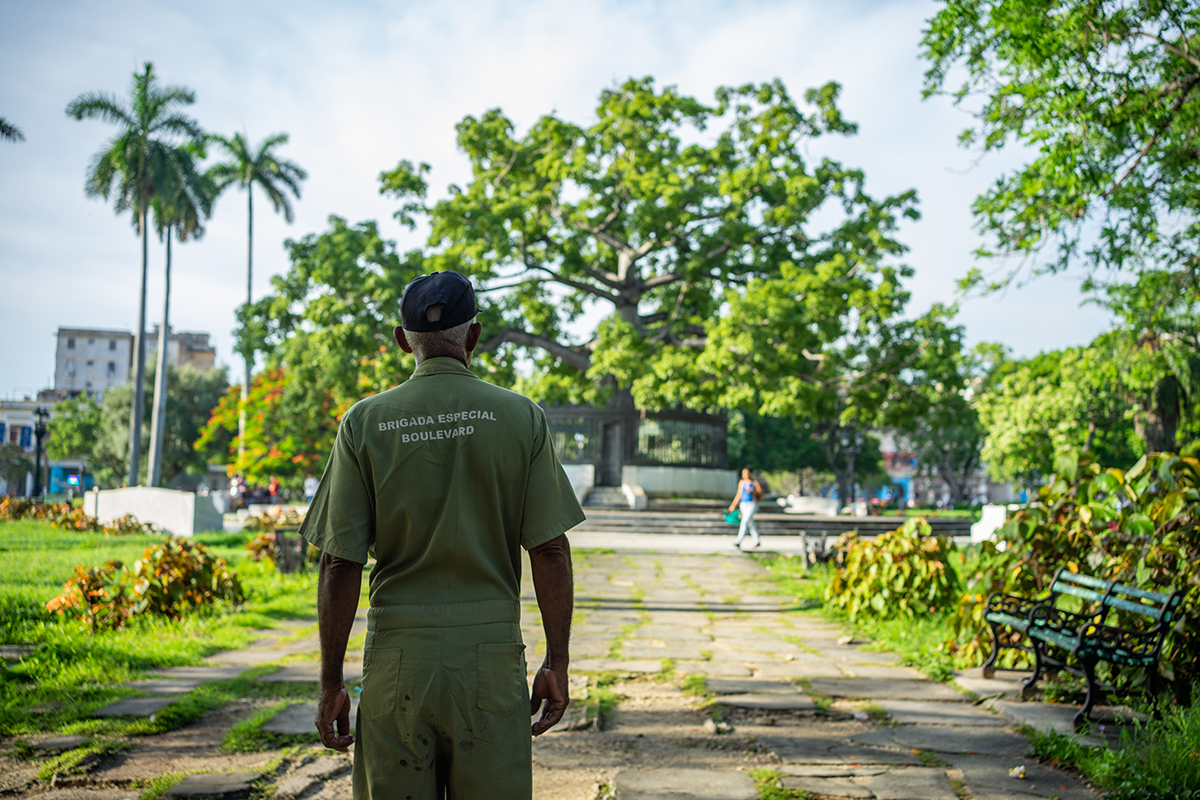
x: 98, y: 105
x: 10, y: 132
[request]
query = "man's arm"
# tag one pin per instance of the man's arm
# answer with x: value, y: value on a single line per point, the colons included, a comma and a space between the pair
x: 338, y: 588
x: 554, y: 584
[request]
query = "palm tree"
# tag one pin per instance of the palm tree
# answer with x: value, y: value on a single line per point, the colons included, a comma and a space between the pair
x: 184, y: 199
x: 10, y: 132
x: 246, y: 167
x: 133, y: 165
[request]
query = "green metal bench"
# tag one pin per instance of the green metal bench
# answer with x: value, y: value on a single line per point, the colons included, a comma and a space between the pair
x: 1086, y: 636
x: 1011, y: 611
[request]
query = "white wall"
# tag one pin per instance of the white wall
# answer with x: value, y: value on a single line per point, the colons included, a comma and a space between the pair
x: 682, y: 481
x: 582, y: 477
x: 178, y: 513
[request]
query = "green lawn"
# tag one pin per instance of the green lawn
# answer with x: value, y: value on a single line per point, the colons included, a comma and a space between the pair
x: 80, y: 671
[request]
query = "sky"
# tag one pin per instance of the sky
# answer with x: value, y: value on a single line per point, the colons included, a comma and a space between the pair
x: 359, y: 86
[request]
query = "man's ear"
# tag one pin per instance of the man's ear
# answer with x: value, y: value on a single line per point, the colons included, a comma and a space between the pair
x: 473, y: 334
x: 398, y: 332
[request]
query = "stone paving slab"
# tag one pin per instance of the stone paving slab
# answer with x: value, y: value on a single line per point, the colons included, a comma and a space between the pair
x: 199, y: 673
x: 1006, y: 682
x: 989, y: 779
x: 90, y: 793
x: 309, y: 672
x: 748, y: 686
x: 812, y: 771
x: 58, y: 744
x: 925, y: 712
x: 631, y: 650
x: 767, y: 701
x: 299, y: 718
x: 799, y: 668
x: 914, y: 783
x: 883, y: 689
x: 682, y: 784
x: 821, y: 750
x: 15, y: 652
x: 217, y: 785
x: 883, y: 672
x: 718, y: 668
x: 311, y: 774
x: 1050, y: 717
x: 644, y: 666
x: 134, y: 707
x: 944, y: 739
x: 827, y: 787
x: 165, y: 687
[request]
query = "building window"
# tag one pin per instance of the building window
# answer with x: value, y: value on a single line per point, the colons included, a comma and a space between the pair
x: 112, y: 344
x: 70, y: 342
x: 90, y: 363
x: 70, y: 368
x: 112, y: 369
x: 91, y: 341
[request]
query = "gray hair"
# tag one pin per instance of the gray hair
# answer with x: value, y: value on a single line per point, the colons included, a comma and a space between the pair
x: 448, y: 342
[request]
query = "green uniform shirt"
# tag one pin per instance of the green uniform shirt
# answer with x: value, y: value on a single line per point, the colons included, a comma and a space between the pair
x: 441, y: 479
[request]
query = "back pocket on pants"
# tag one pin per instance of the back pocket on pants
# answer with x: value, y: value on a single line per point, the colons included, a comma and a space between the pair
x: 380, y: 683
x: 501, y: 673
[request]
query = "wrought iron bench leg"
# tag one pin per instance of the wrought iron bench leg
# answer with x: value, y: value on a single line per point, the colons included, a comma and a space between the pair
x: 989, y: 666
x: 1153, y: 690
x: 1029, y: 685
x: 1093, y: 693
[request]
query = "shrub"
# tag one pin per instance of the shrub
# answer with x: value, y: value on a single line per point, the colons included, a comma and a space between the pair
x: 169, y: 579
x: 902, y: 573
x: 268, y: 521
x: 1141, y: 527
x: 66, y: 516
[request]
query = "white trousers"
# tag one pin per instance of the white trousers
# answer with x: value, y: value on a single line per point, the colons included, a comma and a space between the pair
x: 748, y: 523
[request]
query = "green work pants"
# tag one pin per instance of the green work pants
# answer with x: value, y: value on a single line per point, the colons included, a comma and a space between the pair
x: 444, y: 714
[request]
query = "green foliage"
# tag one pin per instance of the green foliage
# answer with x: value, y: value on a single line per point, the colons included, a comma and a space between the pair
x: 902, y: 573
x: 168, y: 580
x: 1155, y: 759
x: 67, y: 516
x: 1141, y: 527
x: 101, y: 435
x: 768, y: 781
x: 1064, y: 399
x: 1103, y: 94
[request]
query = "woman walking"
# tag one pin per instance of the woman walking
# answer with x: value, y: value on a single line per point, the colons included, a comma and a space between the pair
x: 749, y: 492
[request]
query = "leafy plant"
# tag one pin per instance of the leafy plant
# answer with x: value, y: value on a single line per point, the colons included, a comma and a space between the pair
x: 168, y: 580
x: 66, y: 516
x: 902, y: 573
x: 1141, y: 527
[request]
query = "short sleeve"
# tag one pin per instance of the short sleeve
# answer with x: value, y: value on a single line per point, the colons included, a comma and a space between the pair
x: 551, y: 508
x: 340, y: 519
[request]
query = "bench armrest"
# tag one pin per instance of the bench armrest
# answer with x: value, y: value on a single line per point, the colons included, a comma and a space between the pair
x: 1011, y: 604
x: 1100, y: 638
x: 1045, y: 615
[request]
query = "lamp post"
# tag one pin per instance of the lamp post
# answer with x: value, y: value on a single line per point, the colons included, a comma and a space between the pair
x: 39, y: 432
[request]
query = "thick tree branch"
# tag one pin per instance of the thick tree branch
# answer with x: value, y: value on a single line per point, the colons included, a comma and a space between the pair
x: 577, y: 357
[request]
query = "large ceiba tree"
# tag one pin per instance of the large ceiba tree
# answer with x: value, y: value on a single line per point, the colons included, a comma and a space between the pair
x: 650, y: 212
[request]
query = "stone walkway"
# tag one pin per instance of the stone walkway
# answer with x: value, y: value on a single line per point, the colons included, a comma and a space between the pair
x: 691, y: 677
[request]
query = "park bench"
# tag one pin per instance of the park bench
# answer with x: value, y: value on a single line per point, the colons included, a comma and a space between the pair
x: 1086, y: 636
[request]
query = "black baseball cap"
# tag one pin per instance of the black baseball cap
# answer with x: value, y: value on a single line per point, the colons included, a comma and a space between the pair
x: 450, y: 289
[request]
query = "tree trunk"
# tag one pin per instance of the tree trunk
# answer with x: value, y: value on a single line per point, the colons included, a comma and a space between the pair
x: 249, y: 298
x: 1160, y: 418
x: 843, y: 473
x: 159, y: 420
x: 139, y: 367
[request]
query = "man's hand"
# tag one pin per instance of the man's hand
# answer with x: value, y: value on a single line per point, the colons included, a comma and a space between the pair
x: 333, y: 719
x: 551, y: 687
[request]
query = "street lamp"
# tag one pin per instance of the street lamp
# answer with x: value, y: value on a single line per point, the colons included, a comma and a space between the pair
x: 39, y: 431
x: 852, y: 444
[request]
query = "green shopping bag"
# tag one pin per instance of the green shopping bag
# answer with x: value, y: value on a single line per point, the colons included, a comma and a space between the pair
x: 733, y: 517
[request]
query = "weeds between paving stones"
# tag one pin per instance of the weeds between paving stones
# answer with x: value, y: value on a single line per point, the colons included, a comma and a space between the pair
x: 248, y: 736
x: 768, y: 783
x: 77, y: 762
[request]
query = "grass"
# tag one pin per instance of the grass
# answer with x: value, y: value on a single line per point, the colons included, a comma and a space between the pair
x: 767, y: 781
x: 1159, y: 758
x: 80, y: 671
x: 248, y: 736
x: 72, y: 761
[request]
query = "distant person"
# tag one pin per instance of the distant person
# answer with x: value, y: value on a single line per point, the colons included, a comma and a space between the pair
x: 310, y: 488
x: 749, y: 492
x: 273, y: 489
